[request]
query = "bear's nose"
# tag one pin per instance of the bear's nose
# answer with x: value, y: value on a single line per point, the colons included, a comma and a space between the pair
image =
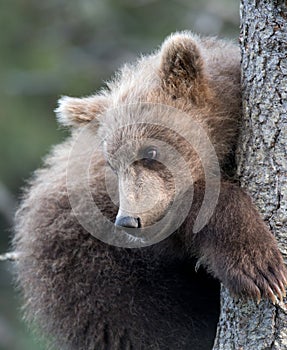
x: 127, y: 221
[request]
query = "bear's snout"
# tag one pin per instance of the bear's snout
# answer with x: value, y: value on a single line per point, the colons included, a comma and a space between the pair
x: 128, y: 221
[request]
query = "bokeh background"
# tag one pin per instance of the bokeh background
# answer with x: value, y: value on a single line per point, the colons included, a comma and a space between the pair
x: 70, y: 47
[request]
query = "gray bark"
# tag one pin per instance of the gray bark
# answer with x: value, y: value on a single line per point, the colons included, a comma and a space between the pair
x: 262, y: 165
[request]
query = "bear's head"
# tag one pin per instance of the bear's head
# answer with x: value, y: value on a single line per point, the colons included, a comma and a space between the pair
x: 153, y: 128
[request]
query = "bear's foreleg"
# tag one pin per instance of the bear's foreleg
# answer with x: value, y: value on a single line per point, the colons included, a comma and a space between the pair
x: 238, y: 248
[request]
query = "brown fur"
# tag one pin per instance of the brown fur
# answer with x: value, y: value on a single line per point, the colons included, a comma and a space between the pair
x: 92, y: 296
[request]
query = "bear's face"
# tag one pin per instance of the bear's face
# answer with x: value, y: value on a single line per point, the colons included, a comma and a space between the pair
x: 145, y: 181
x: 151, y: 160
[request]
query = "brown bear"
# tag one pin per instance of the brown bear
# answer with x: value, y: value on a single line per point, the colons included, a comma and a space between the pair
x: 112, y: 228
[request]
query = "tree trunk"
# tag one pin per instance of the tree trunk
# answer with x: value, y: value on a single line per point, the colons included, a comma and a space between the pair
x: 262, y: 165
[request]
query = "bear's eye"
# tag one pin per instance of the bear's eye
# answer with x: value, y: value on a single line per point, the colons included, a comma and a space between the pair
x: 150, y: 153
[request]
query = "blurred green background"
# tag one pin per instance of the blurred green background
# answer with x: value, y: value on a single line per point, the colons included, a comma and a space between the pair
x: 60, y: 47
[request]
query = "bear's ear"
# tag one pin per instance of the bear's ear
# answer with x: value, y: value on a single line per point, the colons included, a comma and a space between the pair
x: 74, y: 111
x: 182, y: 67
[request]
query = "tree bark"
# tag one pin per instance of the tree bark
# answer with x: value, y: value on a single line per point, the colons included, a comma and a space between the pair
x: 262, y: 165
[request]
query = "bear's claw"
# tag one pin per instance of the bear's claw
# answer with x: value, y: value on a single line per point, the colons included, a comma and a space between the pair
x: 258, y: 282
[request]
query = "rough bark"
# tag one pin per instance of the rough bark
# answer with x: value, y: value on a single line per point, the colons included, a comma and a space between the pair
x: 262, y: 165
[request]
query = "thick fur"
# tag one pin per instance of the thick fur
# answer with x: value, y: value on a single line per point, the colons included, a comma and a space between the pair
x: 88, y: 295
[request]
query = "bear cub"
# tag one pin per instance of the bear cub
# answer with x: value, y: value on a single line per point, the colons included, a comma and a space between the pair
x: 111, y: 230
